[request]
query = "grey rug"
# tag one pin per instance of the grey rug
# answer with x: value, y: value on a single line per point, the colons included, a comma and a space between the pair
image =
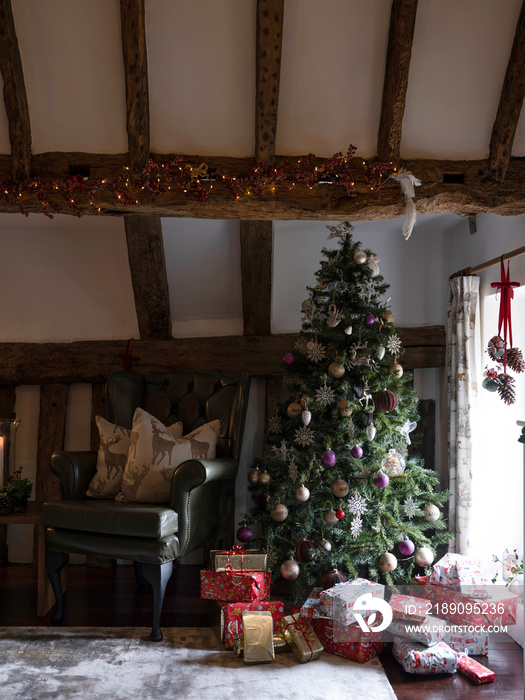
x: 90, y: 663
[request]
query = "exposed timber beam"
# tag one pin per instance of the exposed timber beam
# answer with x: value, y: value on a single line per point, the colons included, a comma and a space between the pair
x: 477, y: 193
x: 256, y: 276
x: 510, y: 104
x: 133, y: 30
x: 148, y: 275
x: 399, y: 52
x: 15, y: 96
x: 269, y: 38
x: 94, y: 361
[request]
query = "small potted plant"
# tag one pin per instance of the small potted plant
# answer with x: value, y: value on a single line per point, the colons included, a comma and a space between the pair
x: 15, y: 493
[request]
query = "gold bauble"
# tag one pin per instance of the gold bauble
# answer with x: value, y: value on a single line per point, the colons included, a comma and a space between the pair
x: 330, y: 517
x: 279, y: 513
x: 294, y: 409
x: 264, y: 478
x: 387, y: 562
x: 396, y: 369
x: 340, y: 488
x: 388, y: 316
x: 253, y: 476
x: 344, y: 408
x: 290, y: 569
x: 336, y: 370
x: 304, y: 400
x: 423, y: 556
x: 360, y: 257
x: 302, y: 493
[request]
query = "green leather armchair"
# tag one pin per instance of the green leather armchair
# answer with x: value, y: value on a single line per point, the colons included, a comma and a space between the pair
x: 202, y: 491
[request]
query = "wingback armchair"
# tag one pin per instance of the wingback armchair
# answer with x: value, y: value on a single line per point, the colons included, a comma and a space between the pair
x: 200, y: 509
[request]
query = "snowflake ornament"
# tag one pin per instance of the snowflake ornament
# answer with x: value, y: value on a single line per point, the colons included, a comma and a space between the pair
x: 274, y: 424
x: 293, y: 471
x: 315, y: 351
x: 356, y: 527
x: 325, y: 395
x: 282, y: 451
x: 394, y: 345
x: 366, y: 290
x: 271, y: 558
x: 304, y: 436
x: 300, y: 345
x: 340, y: 231
x: 357, y: 504
x: 409, y: 508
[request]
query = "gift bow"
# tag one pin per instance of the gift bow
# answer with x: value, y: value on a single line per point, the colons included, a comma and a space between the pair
x: 236, y: 549
x: 505, y: 286
x: 201, y: 171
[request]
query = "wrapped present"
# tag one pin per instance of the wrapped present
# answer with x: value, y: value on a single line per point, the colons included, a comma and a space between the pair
x: 231, y: 615
x: 449, y: 604
x: 430, y: 631
x: 337, y: 602
x: 311, y: 608
x: 475, y: 643
x: 408, y: 607
x: 301, y: 637
x: 215, y: 617
x: 279, y: 644
x: 257, y: 637
x: 419, y: 659
x: 350, y: 642
x: 238, y: 559
x: 235, y: 587
x: 474, y: 670
x: 465, y: 575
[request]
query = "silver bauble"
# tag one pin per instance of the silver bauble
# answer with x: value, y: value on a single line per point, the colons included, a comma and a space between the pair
x: 387, y: 562
x: 423, y: 556
x: 279, y: 513
x: 432, y: 513
x: 330, y: 517
x: 380, y: 352
x: 306, y: 416
x: 340, y: 488
x: 290, y: 569
x: 302, y: 494
x: 253, y: 476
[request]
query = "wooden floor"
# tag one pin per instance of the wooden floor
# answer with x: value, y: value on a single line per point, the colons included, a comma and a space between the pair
x: 107, y: 598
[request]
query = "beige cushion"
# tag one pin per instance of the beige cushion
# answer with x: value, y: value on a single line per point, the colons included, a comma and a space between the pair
x: 112, y: 457
x: 154, y: 454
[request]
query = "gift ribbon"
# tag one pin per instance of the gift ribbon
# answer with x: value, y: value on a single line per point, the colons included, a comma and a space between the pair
x: 303, y: 626
x: 236, y: 549
x: 505, y: 286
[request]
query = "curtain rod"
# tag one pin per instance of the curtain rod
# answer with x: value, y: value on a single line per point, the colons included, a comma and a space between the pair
x: 495, y: 261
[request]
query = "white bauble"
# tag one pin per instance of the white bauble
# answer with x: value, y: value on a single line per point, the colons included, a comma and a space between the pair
x: 302, y: 493
x: 387, y: 562
x: 306, y: 416
x: 432, y: 513
x: 374, y: 267
x: 348, y: 330
x: 290, y: 569
x: 423, y: 556
x: 324, y: 544
x: 360, y: 257
x: 340, y: 488
x: 279, y: 513
x: 330, y: 517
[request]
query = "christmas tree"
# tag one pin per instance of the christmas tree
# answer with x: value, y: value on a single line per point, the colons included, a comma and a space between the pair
x: 339, y: 489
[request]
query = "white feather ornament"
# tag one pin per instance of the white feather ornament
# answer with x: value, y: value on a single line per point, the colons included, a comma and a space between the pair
x: 407, y: 181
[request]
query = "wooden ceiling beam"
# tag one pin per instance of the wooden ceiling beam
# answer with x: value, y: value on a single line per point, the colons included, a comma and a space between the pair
x: 148, y: 275
x: 256, y: 276
x: 15, y: 96
x: 94, y: 361
x: 269, y: 39
x: 510, y: 105
x: 133, y: 30
x: 399, y: 52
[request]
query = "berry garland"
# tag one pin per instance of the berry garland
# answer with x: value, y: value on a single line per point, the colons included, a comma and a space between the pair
x: 197, y: 181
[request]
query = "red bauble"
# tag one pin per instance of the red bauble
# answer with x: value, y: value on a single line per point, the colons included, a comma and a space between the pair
x: 339, y: 514
x: 244, y: 534
x: 385, y: 400
x: 302, y: 550
x: 331, y: 578
x: 289, y: 358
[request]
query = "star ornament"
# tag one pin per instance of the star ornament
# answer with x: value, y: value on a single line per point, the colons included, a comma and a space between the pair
x: 407, y: 428
x: 340, y: 231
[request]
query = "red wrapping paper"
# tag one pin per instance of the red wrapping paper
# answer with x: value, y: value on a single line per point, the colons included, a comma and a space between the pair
x: 233, y: 617
x: 235, y: 587
x: 355, y: 644
x: 475, y: 671
x: 409, y: 607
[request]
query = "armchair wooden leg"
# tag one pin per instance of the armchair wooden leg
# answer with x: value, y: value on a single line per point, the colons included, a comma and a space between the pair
x: 55, y: 562
x: 158, y: 576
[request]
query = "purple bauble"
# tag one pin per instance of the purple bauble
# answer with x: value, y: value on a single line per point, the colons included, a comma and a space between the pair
x: 370, y: 319
x: 328, y: 458
x: 407, y: 547
x: 289, y: 358
x: 381, y: 480
x: 356, y: 452
x: 244, y: 534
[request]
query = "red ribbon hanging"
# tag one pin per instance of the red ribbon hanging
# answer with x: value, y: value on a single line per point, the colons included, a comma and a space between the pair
x: 505, y: 286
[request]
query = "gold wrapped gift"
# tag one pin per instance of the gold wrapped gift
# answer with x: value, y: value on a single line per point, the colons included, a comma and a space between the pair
x: 279, y: 644
x: 238, y: 559
x: 300, y: 635
x: 257, y: 637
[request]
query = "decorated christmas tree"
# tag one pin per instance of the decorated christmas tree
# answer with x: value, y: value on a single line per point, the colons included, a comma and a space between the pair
x: 340, y: 493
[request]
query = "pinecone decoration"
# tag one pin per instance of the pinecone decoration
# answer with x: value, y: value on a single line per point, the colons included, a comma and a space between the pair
x: 506, y: 388
x: 515, y: 360
x: 6, y: 504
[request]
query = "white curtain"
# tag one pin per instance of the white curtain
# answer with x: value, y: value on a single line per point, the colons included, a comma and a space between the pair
x: 464, y: 374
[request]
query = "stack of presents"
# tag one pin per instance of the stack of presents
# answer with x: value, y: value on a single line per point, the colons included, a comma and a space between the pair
x: 437, y: 626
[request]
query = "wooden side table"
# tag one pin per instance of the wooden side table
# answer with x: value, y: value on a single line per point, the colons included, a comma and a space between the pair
x: 32, y: 515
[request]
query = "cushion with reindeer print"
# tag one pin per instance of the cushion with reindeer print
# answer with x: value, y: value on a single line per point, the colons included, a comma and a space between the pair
x: 112, y: 457
x: 154, y: 455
